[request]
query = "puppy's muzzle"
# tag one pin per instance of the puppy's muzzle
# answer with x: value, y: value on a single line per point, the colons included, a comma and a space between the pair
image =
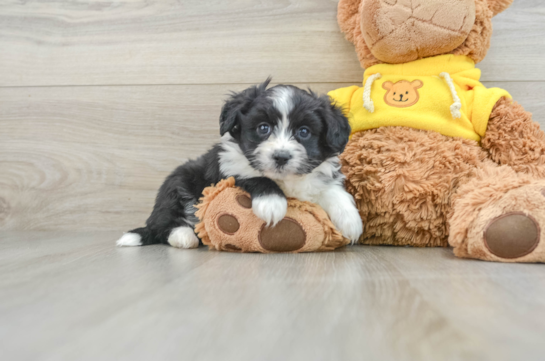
x: 281, y: 157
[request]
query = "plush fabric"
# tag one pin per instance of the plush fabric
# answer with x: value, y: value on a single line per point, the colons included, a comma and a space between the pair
x: 497, y: 6
x: 227, y: 223
x: 351, y: 13
x: 514, y: 139
x: 477, y: 186
x: 403, y: 180
x: 406, y: 30
x: 492, y: 193
x: 427, y: 106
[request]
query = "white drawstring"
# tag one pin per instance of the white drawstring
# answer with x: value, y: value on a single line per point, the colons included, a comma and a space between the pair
x: 457, y: 105
x: 367, y: 102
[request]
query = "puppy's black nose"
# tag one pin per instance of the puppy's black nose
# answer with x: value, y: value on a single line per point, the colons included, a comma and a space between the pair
x: 281, y: 157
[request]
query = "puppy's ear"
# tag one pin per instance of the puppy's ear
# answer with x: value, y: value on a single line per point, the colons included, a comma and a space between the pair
x: 237, y: 105
x: 337, y: 126
x: 230, y: 114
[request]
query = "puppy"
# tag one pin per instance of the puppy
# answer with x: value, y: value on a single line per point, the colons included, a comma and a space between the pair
x: 278, y: 142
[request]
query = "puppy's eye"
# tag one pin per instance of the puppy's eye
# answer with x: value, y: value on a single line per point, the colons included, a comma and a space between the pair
x: 394, y: 93
x: 303, y: 133
x: 406, y: 92
x: 263, y: 129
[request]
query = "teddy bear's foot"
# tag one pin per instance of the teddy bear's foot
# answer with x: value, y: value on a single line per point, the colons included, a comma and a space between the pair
x: 500, y: 219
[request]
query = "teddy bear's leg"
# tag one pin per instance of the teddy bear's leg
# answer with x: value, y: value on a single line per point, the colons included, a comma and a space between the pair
x: 513, y: 138
x: 499, y: 215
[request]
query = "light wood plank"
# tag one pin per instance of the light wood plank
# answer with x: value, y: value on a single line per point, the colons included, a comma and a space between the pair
x: 92, y: 158
x: 102, y: 150
x: 172, y: 42
x: 196, y: 42
x: 74, y: 296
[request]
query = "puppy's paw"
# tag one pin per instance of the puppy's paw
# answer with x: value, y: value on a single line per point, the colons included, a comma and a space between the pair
x: 183, y: 237
x: 348, y: 222
x: 129, y: 240
x: 271, y: 208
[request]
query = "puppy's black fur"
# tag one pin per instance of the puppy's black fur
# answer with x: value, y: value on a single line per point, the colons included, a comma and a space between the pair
x: 241, y: 114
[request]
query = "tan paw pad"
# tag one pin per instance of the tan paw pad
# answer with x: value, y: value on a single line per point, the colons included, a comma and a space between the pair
x: 286, y: 236
x: 512, y: 235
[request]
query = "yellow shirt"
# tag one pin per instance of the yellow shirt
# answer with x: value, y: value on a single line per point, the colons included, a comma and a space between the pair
x: 441, y: 93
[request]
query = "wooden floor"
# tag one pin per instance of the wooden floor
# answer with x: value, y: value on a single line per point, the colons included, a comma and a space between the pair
x: 100, y: 100
x: 72, y: 296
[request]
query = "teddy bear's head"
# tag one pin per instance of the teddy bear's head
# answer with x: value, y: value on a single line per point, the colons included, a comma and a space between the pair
x: 399, y: 31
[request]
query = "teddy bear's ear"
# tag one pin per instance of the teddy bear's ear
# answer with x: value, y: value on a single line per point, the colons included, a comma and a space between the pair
x: 348, y: 18
x: 497, y: 6
x: 417, y: 84
x: 387, y: 85
x: 236, y: 105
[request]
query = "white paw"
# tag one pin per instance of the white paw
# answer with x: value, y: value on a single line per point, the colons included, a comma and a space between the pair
x: 129, y: 240
x: 183, y: 237
x: 348, y: 222
x: 270, y: 208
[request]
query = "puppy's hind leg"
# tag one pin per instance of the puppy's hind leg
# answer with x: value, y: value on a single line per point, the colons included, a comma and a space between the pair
x: 183, y: 237
x: 171, y: 222
x: 180, y: 236
x: 183, y: 234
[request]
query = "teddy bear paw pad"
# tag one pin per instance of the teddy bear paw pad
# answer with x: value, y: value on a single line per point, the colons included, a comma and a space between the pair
x: 512, y: 235
x: 244, y: 201
x: 228, y: 224
x: 286, y: 236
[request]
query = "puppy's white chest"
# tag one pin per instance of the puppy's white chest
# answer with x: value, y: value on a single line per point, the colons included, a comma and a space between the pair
x: 305, y: 188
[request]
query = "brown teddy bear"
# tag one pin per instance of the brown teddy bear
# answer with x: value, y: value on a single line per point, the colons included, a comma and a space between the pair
x: 435, y: 158
x: 227, y: 223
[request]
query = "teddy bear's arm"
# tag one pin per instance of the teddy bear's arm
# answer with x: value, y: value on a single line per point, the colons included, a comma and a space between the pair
x: 513, y: 138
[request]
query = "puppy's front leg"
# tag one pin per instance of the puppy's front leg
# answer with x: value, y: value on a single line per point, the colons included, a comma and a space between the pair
x: 341, y: 208
x: 268, y: 201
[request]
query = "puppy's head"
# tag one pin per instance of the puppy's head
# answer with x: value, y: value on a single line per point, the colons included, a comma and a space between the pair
x: 284, y: 130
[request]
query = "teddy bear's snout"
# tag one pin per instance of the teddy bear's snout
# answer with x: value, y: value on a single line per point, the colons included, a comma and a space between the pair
x: 403, y: 30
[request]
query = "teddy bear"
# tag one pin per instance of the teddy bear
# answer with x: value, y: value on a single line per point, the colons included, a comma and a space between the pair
x: 227, y: 223
x: 435, y: 158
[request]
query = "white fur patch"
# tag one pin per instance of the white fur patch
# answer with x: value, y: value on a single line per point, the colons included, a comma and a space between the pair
x: 270, y: 208
x: 281, y: 97
x: 183, y: 237
x: 233, y: 163
x: 310, y: 187
x: 129, y: 240
x: 341, y: 208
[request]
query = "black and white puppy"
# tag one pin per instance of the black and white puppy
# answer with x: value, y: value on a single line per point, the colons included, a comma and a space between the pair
x: 278, y: 142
